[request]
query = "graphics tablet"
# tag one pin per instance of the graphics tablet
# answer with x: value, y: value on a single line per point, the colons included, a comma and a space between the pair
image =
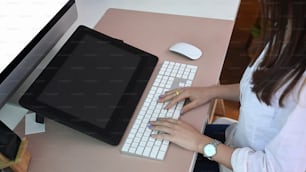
x: 93, y: 85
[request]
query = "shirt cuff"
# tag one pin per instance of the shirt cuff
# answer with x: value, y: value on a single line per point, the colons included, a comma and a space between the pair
x: 239, y: 159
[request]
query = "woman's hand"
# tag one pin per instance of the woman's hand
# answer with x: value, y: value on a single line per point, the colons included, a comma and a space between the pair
x: 196, y: 95
x: 180, y: 133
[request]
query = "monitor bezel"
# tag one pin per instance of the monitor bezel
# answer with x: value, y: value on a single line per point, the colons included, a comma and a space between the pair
x: 34, y: 41
x: 19, y: 69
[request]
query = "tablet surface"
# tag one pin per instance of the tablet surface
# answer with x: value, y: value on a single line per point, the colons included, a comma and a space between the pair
x: 93, y: 84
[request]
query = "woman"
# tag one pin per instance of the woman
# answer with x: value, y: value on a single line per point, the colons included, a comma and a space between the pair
x: 270, y: 134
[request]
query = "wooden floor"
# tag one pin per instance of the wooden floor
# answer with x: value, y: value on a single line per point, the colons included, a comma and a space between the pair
x: 237, y: 57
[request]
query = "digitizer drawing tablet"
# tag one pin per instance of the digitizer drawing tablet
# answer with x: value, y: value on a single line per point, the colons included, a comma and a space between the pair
x: 93, y: 85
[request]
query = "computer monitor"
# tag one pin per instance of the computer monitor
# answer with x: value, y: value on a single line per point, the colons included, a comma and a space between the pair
x: 29, y: 30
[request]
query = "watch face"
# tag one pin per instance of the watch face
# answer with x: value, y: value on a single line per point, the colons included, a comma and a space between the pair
x: 210, y: 150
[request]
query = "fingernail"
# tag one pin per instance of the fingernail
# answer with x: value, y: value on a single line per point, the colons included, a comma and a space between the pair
x: 149, y: 126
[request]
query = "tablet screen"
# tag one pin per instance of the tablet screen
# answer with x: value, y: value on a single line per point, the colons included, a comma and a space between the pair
x: 91, y: 82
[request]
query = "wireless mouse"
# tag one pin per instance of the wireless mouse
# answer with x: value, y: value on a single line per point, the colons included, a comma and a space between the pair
x: 188, y: 50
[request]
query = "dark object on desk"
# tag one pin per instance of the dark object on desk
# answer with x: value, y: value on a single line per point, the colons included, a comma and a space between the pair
x: 9, y: 142
x: 93, y: 85
x: 14, y: 155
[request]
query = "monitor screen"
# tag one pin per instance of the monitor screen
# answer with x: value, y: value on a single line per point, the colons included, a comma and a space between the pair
x: 21, y: 21
x: 29, y: 29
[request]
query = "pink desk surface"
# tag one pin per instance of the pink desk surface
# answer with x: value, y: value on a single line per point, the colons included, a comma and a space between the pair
x: 62, y: 149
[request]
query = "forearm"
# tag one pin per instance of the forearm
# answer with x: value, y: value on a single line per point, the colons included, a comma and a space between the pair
x: 224, y: 152
x: 228, y: 92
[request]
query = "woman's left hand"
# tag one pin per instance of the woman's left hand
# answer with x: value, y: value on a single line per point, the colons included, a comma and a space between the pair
x: 179, y: 132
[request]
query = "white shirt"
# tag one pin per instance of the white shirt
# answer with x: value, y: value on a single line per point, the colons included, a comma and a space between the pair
x: 269, y: 138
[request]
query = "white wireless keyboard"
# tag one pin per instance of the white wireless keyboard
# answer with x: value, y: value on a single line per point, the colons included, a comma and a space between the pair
x: 138, y: 142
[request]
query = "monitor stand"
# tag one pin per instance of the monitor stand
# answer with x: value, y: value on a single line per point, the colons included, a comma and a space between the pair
x: 11, y: 114
x: 39, y: 119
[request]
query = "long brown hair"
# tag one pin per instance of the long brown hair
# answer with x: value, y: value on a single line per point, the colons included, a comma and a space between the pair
x: 285, y: 60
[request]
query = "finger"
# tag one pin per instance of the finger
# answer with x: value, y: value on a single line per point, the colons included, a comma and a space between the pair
x: 175, y: 100
x: 169, y: 95
x: 162, y: 136
x: 162, y: 129
x: 168, y: 122
x: 174, y: 91
x: 188, y: 107
x: 164, y: 98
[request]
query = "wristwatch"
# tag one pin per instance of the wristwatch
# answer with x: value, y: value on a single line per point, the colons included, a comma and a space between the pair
x: 210, y: 149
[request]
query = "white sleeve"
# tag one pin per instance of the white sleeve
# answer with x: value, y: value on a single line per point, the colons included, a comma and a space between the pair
x: 286, y: 152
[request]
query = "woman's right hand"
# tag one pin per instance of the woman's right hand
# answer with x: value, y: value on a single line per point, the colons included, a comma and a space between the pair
x: 196, y: 95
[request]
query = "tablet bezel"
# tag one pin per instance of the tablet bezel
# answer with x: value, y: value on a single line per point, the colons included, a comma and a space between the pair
x: 115, y: 128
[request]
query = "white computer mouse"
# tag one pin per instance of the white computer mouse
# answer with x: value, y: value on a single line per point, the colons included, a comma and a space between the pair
x: 186, y: 49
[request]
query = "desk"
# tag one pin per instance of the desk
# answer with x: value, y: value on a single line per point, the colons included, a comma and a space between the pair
x: 63, y: 149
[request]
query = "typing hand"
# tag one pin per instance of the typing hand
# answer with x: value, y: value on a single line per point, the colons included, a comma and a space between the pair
x: 178, y: 132
x: 196, y: 95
